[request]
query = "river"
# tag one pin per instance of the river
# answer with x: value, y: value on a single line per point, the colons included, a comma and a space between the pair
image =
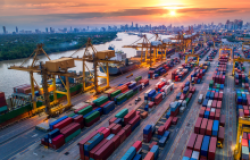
x: 11, y: 78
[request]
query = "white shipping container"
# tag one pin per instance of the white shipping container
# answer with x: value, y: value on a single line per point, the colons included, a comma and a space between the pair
x: 212, y: 110
x: 195, y: 155
x: 146, y: 93
x: 163, y: 80
x: 184, y: 104
x: 182, y: 109
x: 209, y: 104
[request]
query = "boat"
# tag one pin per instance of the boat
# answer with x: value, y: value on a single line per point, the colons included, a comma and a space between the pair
x: 124, y: 66
x: 118, y: 39
x: 111, y: 47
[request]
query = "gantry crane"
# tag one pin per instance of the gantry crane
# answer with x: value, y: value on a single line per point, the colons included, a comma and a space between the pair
x: 241, y: 129
x: 214, y: 39
x: 192, y: 55
x: 239, y: 60
x: 48, y: 70
x: 226, y: 49
x: 245, y: 43
x: 97, y: 58
x: 141, y: 46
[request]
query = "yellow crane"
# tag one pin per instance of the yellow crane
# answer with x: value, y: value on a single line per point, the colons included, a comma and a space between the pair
x: 245, y: 43
x: 240, y: 130
x: 47, y: 70
x: 226, y: 49
x: 97, y: 58
x: 239, y: 60
x: 192, y: 55
x: 145, y: 58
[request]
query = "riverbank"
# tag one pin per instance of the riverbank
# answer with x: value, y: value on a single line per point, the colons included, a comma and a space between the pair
x: 21, y: 46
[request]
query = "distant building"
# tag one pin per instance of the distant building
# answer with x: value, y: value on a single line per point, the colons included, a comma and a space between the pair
x: 103, y: 29
x: 4, y: 30
x: 47, y: 30
x: 16, y: 29
x: 52, y: 30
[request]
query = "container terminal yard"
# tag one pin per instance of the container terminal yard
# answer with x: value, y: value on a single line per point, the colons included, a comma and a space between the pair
x: 192, y: 105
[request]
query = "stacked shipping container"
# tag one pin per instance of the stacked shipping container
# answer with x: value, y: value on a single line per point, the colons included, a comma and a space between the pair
x: 209, y: 127
x: 3, y: 104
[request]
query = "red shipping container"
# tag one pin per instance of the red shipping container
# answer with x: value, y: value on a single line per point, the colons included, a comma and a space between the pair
x: 106, y: 132
x: 63, y: 123
x: 197, y: 125
x: 174, y: 121
x: 168, y: 123
x: 246, y: 113
x: 129, y: 116
x: 97, y: 147
x: 182, y: 96
x: 217, y: 114
x: 191, y: 141
x: 128, y: 129
x: 161, y: 130
x: 79, y: 119
x: 244, y: 142
x: 208, y: 109
x: 212, y: 148
x: 100, y: 129
x: 188, y: 153
x: 149, y: 156
x: 122, y: 134
x: 105, y: 151
x: 112, y: 120
x: 82, y: 142
x: 245, y: 107
x: 117, y: 140
x: 203, y: 108
x: 209, y: 127
x: 214, y: 103
x: 138, y: 113
x: 203, y: 126
x: 212, y: 115
x: 151, y: 104
x: 116, y: 129
x: 44, y: 143
x: 245, y: 135
x: 219, y: 104
x: 58, y: 141
x: 137, y: 145
x: 197, y: 145
x: 152, y: 144
x: 220, y: 96
x: 216, y: 95
x: 201, y: 114
x: 147, y: 137
x: 133, y: 121
x: 111, y: 125
x: 70, y: 129
x: 248, y: 135
x: 222, y: 120
x: 221, y: 134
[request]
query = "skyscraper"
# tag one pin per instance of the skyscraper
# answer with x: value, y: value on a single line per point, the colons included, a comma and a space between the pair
x: 16, y: 29
x: 4, y: 30
x: 132, y: 25
x: 47, y: 30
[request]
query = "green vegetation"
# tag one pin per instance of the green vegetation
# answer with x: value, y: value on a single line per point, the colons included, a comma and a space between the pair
x: 21, y: 46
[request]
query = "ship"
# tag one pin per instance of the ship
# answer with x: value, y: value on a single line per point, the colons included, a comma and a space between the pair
x: 111, y: 47
x: 124, y: 66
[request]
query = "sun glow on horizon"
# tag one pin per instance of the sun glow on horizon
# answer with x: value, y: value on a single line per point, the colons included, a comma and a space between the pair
x: 172, y: 13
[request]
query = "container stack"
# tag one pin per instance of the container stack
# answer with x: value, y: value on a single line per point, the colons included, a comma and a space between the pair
x: 203, y: 52
x: 209, y: 127
x: 243, y: 102
x: 148, y: 132
x: 101, y: 143
x: 198, y: 73
x: 212, y: 55
x: 133, y: 152
x: 239, y: 77
x: 246, y: 53
x: 125, y: 91
x: 156, y: 71
x: 181, y: 72
x: 3, y: 104
x: 25, y: 89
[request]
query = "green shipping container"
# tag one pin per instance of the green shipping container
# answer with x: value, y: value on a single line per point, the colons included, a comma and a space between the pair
x: 120, y: 98
x: 71, y: 114
x: 73, y: 135
x: 211, y: 83
x: 122, y: 113
x: 92, y: 116
x: 129, y: 94
x: 218, y: 86
x: 138, y: 78
x: 85, y: 110
x: 101, y: 100
x: 187, y: 100
x: 115, y: 93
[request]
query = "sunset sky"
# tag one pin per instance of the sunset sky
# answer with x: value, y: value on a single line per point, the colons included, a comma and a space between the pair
x: 57, y: 13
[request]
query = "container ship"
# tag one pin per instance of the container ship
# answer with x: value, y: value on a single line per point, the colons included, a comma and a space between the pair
x: 124, y: 66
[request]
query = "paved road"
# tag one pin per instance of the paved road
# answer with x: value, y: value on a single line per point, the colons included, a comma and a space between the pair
x: 72, y: 149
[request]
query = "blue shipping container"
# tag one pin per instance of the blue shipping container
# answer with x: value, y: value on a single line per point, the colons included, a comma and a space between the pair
x: 204, y: 146
x: 147, y: 129
x: 137, y: 157
x: 57, y: 121
x: 93, y: 141
x: 129, y: 154
x: 215, y: 128
x: 155, y: 150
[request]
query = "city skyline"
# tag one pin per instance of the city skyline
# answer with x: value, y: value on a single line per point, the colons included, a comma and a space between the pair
x: 33, y: 14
